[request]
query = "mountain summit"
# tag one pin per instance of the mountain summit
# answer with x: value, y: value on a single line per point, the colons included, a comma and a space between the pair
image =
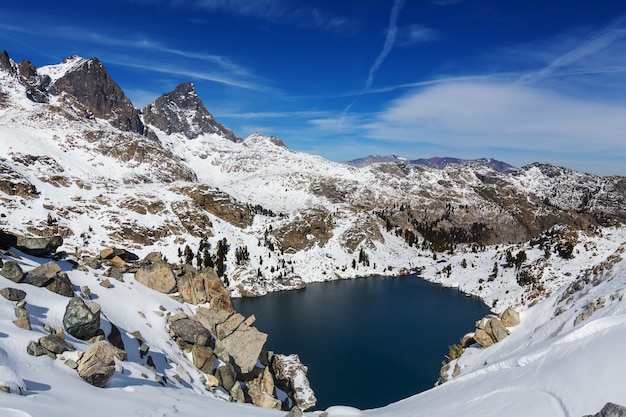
x: 87, y: 86
x: 182, y: 111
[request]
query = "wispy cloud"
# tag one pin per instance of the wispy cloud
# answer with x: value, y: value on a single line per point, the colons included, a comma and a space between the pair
x: 594, y: 43
x: 415, y: 33
x: 220, y: 69
x: 390, y: 39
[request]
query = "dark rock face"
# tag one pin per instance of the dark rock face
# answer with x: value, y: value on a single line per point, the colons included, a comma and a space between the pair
x: 6, y: 63
x: 94, y: 89
x: 7, y: 240
x: 182, y: 111
x: 79, y: 320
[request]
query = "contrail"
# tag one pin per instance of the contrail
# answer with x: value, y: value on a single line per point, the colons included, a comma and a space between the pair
x: 392, y: 31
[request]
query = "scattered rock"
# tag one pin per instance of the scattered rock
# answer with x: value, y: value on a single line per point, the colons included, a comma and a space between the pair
x: 13, y: 294
x: 53, y: 343
x: 23, y: 319
x: 85, y: 292
x: 97, y: 365
x: 106, y: 283
x: 118, y: 262
x: 50, y: 276
x: 115, y: 337
x: 510, y: 317
x: 10, y: 382
x: 35, y: 349
x: 157, y: 276
x: 295, y: 412
x: 211, y: 382
x: 39, y: 246
x: 71, y: 363
x: 12, y: 270
x: 290, y: 376
x: 80, y: 321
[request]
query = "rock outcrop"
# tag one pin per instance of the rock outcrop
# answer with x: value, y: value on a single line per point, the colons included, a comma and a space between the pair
x: 94, y: 91
x: 290, y: 376
x: 610, y: 410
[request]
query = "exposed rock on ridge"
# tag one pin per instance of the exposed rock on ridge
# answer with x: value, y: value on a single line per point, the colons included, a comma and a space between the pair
x: 92, y: 89
x: 182, y: 111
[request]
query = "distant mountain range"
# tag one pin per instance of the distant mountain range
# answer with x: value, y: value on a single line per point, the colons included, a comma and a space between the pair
x: 435, y: 162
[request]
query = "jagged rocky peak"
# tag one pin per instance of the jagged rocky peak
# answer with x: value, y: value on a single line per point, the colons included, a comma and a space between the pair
x: 182, y: 111
x: 93, y: 90
x: 5, y: 62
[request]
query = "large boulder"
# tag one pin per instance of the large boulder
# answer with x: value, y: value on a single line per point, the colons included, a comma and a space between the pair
x: 245, y: 345
x: 510, y: 317
x: 12, y: 270
x: 158, y: 276
x: 203, y: 358
x: 39, y: 246
x: 13, y: 294
x: 290, y: 376
x: 50, y: 276
x: 97, y: 365
x: 190, y: 331
x: 489, y: 330
x: 79, y: 320
x: 53, y: 343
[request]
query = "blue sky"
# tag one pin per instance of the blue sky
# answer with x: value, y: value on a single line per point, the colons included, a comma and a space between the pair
x: 517, y: 80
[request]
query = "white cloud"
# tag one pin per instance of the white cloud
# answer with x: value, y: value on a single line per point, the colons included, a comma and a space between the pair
x: 501, y: 115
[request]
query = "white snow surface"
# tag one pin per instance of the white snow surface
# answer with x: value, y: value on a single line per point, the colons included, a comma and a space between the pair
x: 548, y: 366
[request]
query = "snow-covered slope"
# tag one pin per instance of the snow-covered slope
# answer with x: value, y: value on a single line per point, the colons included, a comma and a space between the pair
x: 104, y: 178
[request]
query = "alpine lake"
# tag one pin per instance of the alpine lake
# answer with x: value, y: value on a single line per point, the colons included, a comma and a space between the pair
x: 369, y: 341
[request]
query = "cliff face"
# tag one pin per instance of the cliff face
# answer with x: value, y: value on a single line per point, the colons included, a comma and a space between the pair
x: 89, y: 87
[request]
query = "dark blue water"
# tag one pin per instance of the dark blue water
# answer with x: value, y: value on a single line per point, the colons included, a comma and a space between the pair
x: 367, y: 342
